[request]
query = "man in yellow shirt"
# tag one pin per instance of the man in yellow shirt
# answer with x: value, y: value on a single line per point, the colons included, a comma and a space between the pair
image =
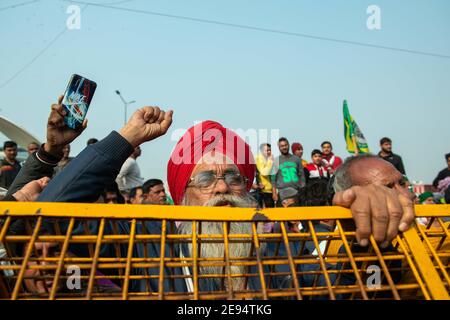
x: 264, y: 165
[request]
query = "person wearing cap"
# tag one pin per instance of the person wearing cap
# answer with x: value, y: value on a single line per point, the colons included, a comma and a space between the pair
x: 426, y: 198
x: 316, y: 169
x: 297, y: 150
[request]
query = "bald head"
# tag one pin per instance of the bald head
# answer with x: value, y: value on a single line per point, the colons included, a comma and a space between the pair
x: 365, y: 170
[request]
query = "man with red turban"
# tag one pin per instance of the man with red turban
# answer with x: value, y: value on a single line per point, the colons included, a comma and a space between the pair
x: 209, y: 160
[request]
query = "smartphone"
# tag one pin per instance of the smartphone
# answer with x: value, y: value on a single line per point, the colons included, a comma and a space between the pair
x: 77, y: 98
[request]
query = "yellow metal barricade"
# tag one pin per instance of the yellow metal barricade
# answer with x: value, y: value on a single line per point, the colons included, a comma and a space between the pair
x: 100, y: 251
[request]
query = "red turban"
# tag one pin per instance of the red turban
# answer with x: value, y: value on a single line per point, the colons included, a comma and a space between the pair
x: 296, y: 146
x: 199, y: 140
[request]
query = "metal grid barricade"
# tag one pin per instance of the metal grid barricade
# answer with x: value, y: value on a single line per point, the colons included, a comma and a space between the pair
x: 99, y: 251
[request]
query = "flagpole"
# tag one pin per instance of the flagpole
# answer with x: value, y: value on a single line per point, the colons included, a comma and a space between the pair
x: 355, y: 145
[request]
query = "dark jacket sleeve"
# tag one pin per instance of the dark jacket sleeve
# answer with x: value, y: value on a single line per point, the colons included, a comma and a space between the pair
x: 401, y: 167
x: 86, y: 176
x: 38, y: 165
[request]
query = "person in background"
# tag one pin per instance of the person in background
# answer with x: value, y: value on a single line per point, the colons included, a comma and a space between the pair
x: 288, y: 170
x: 255, y: 191
x: 136, y: 195
x: 91, y: 141
x: 112, y: 194
x: 316, y: 169
x: 426, y: 198
x: 65, y: 159
x: 154, y: 192
x: 297, y: 150
x: 387, y: 154
x: 264, y: 167
x: 330, y: 161
x: 130, y: 174
x: 444, y: 173
x: 290, y: 198
x: 9, y: 167
x: 32, y: 147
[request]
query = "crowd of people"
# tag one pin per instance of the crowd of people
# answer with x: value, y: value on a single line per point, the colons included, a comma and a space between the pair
x: 211, y: 172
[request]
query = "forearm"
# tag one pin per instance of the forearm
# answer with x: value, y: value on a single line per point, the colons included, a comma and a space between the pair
x: 86, y: 176
x: 38, y: 165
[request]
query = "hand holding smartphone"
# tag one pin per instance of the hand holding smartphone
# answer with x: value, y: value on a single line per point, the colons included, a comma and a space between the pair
x: 77, y: 98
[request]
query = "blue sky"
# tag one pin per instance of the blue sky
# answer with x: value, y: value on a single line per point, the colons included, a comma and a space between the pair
x: 241, y: 78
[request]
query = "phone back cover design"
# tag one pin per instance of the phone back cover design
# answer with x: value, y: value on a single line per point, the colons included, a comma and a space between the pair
x: 77, y: 99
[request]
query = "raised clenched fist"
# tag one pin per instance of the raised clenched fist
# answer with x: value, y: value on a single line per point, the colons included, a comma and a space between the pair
x: 146, y: 124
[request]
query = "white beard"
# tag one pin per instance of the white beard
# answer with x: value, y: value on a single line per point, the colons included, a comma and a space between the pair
x: 216, y: 250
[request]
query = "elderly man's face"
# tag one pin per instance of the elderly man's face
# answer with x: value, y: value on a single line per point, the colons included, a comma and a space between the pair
x: 227, y: 187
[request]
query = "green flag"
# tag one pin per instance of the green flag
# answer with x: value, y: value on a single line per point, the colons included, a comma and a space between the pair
x: 354, y: 138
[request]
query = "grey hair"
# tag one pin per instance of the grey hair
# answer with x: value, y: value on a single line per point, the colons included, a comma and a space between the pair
x: 239, y: 247
x: 342, y: 179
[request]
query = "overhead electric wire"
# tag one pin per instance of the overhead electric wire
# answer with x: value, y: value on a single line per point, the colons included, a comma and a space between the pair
x: 40, y: 53
x: 18, y: 5
x: 260, y: 29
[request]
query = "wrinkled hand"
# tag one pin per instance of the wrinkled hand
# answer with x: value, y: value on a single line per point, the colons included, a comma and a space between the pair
x: 377, y: 210
x: 146, y: 124
x: 58, y: 133
x: 31, y: 190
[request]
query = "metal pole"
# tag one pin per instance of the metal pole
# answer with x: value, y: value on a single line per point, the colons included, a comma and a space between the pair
x: 125, y: 120
x: 125, y: 105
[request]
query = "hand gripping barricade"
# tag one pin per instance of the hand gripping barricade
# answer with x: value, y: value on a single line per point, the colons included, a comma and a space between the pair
x: 101, y: 251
